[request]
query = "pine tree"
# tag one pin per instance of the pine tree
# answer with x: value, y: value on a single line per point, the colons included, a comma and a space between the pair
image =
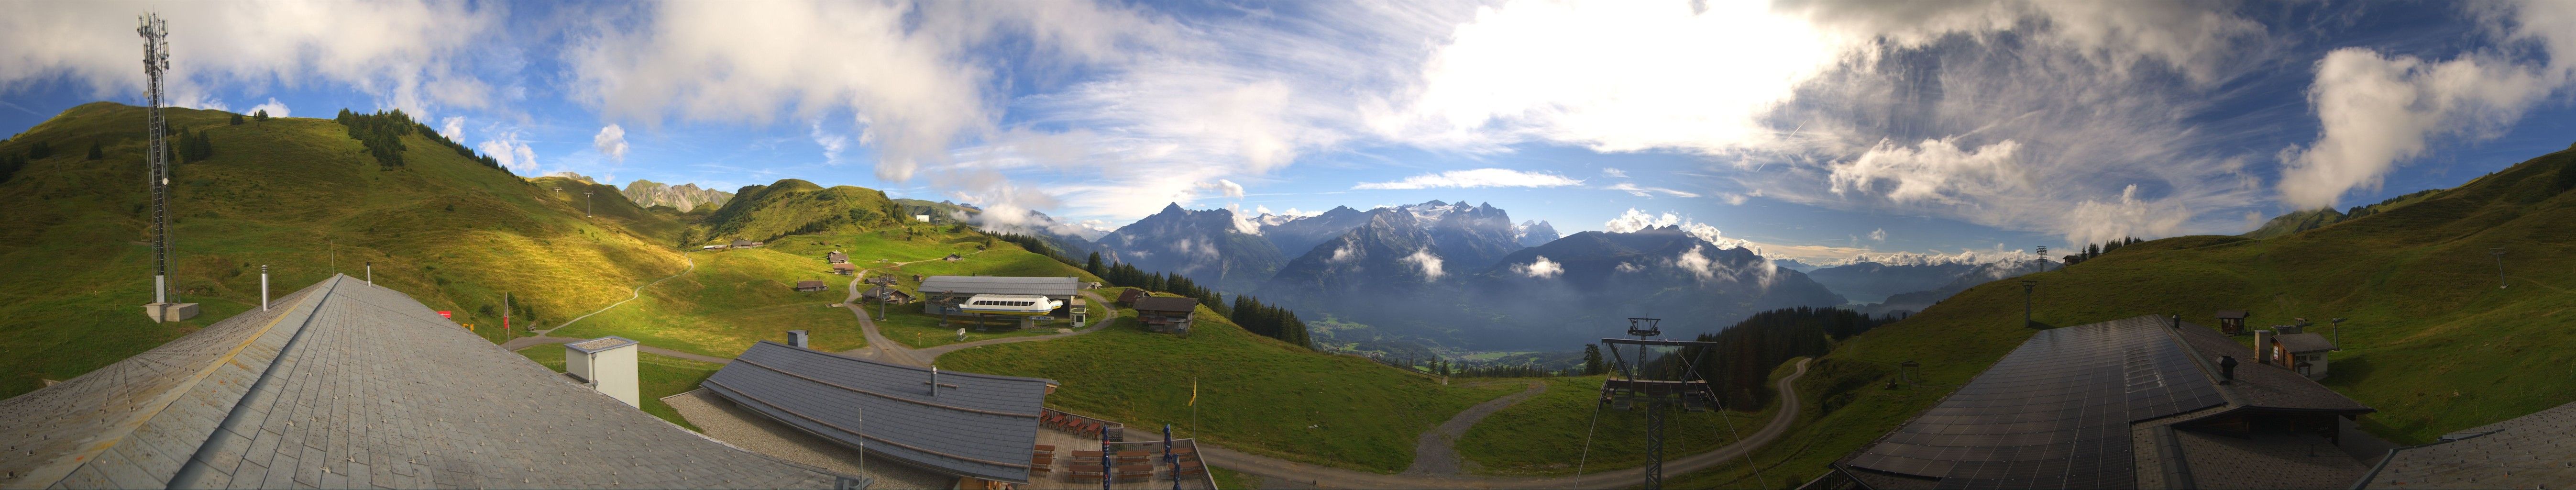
x: 1592, y: 359
x: 237, y: 119
x: 96, y: 153
x: 1093, y: 264
x: 263, y: 115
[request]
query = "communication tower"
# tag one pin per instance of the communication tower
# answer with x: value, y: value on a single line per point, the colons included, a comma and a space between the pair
x: 156, y: 158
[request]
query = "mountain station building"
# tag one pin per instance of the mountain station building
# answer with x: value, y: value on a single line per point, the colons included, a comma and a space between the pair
x: 946, y: 292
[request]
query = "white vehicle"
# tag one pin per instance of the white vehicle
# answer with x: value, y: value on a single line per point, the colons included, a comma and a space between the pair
x: 1010, y: 304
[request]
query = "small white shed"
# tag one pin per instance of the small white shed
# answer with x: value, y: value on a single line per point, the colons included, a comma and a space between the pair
x: 606, y: 364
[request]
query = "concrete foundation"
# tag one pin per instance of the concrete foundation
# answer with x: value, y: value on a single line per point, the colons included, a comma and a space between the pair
x: 170, y: 312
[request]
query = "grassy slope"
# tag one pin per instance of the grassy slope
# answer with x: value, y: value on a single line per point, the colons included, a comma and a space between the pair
x: 735, y: 298
x: 1255, y: 394
x: 2431, y: 342
x: 1542, y: 435
x: 660, y: 376
x: 74, y: 257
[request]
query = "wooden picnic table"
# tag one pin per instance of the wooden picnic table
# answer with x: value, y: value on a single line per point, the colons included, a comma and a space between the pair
x: 1042, y: 460
x: 1135, y: 455
x: 1086, y: 454
x: 1046, y: 448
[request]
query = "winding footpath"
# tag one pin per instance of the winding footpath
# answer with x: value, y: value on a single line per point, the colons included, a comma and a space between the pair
x: 1328, y: 477
x: 1436, y: 453
x: 638, y: 293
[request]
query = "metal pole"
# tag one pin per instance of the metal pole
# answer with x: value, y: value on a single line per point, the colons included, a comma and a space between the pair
x: 2499, y: 255
x: 2026, y: 287
x: 263, y: 287
x: 371, y: 274
x: 1655, y: 445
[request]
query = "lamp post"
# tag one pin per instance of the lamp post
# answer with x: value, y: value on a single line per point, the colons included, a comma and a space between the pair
x: 2026, y: 286
x: 2498, y: 252
x: 585, y: 203
x: 2338, y: 336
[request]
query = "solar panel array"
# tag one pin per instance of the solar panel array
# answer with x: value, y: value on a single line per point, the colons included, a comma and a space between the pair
x: 2054, y: 413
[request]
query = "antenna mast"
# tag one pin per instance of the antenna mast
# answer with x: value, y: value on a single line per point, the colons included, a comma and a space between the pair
x: 156, y: 59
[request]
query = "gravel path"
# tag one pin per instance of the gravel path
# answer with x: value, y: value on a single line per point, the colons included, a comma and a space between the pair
x: 1436, y: 453
x: 638, y: 293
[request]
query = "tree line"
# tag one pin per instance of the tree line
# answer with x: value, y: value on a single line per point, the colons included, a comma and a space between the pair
x: 382, y: 134
x: 2092, y: 250
x: 1739, y: 367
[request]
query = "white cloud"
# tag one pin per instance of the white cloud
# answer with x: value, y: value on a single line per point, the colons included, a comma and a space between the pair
x: 1429, y: 263
x: 274, y: 108
x: 1878, y: 235
x: 1934, y: 171
x: 1243, y: 222
x: 1343, y: 254
x: 1643, y: 191
x: 1633, y: 221
x: 611, y: 142
x: 453, y: 128
x: 1223, y: 187
x: 1541, y: 268
x: 513, y: 153
x: 832, y: 142
x: 1697, y: 263
x: 1629, y: 267
x: 1468, y: 179
x: 409, y: 55
x: 2378, y: 111
x: 1614, y: 172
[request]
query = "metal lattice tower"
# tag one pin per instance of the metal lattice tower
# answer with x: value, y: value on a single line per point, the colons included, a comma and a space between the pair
x: 1654, y: 388
x: 156, y: 59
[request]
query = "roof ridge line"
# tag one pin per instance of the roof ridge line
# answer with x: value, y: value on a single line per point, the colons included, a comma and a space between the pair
x: 2226, y: 388
x: 232, y: 416
x: 167, y: 398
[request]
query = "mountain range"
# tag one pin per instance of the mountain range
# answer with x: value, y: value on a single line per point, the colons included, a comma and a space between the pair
x: 684, y: 197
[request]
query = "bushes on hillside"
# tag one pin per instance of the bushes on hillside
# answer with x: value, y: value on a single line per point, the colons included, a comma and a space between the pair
x: 1739, y: 368
x: 194, y: 146
x: 382, y: 133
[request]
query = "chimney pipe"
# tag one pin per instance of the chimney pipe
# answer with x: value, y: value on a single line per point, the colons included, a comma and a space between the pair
x: 796, y: 338
x: 2226, y: 369
x: 263, y: 287
x: 934, y: 381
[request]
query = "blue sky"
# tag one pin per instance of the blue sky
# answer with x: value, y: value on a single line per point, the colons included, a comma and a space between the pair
x: 1810, y: 130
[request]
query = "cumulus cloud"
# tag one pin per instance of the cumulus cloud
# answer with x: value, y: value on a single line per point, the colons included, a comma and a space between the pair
x: 611, y: 142
x: 1223, y: 187
x: 2378, y: 111
x: 1468, y: 179
x: 1343, y: 254
x: 1878, y: 235
x: 1697, y: 263
x: 1633, y: 221
x: 1428, y: 262
x: 274, y: 108
x: 409, y: 55
x: 511, y: 151
x: 1934, y: 171
x: 1541, y: 268
x: 453, y: 128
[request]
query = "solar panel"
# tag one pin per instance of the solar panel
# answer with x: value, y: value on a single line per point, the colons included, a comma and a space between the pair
x: 2053, y: 413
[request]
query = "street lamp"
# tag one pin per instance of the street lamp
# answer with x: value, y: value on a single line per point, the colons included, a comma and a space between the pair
x: 2498, y: 252
x: 585, y: 203
x: 2026, y: 286
x: 2338, y: 338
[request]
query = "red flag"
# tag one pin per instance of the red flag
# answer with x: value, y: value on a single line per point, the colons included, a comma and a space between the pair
x: 444, y: 314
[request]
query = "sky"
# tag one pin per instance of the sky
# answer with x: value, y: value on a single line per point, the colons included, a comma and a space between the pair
x: 1820, y: 131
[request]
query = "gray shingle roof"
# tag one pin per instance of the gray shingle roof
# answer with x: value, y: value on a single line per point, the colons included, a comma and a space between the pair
x: 978, y: 425
x: 1160, y: 303
x: 2530, y: 451
x: 2264, y: 385
x: 1054, y: 287
x: 2306, y: 342
x: 349, y: 385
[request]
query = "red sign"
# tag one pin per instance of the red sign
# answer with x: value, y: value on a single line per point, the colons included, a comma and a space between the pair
x: 443, y: 314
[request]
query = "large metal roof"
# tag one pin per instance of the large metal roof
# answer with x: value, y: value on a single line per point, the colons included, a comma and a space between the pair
x: 1166, y: 303
x: 977, y: 425
x: 1054, y: 287
x: 2054, y: 413
x: 348, y: 385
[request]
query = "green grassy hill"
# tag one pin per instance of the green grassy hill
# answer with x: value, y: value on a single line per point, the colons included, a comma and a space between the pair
x: 2431, y: 341
x: 764, y: 213
x: 1255, y: 394
x: 299, y: 195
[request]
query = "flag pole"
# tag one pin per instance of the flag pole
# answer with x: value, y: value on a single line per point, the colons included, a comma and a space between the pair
x: 1194, y: 407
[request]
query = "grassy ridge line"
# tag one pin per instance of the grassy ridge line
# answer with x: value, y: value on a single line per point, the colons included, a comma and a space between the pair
x: 294, y: 193
x: 2430, y: 340
x: 1535, y: 437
